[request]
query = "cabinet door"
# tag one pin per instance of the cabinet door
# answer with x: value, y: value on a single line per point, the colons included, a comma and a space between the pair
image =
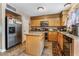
x: 35, y: 22
x: 60, y: 40
x: 64, y: 19
x: 54, y: 22
x: 57, y: 22
x: 52, y: 36
x: 51, y: 22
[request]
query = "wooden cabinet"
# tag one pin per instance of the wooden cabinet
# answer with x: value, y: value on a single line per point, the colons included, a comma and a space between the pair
x: 35, y: 22
x: 60, y: 40
x: 52, y: 36
x: 57, y: 22
x: 64, y: 20
x: 54, y: 22
x: 51, y: 22
x: 64, y: 17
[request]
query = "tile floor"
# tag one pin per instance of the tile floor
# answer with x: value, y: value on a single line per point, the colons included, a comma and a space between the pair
x: 19, y: 50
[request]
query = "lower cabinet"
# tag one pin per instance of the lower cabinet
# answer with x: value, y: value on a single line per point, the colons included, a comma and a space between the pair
x: 60, y: 40
x: 65, y: 44
x: 52, y: 36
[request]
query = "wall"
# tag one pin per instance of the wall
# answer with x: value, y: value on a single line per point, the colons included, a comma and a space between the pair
x: 25, y: 26
x: 0, y: 26
x: 3, y: 28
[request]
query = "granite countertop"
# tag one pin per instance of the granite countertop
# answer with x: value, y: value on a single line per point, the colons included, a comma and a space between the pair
x: 62, y: 32
x: 35, y: 33
x: 69, y: 35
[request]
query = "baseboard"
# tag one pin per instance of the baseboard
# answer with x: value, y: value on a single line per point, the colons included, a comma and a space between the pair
x: 2, y: 50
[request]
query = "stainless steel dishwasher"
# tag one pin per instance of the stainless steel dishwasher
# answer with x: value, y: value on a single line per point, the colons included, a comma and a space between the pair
x: 67, y: 47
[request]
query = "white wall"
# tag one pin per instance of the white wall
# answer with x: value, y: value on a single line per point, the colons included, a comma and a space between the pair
x: 3, y: 27
x: 0, y: 26
x: 25, y: 26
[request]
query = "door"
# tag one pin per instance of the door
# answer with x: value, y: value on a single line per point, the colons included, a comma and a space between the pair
x: 18, y: 33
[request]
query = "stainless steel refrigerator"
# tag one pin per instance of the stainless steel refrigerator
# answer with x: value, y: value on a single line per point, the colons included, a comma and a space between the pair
x: 13, y: 33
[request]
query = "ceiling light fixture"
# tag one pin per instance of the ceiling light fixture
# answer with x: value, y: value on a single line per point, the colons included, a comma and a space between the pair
x: 67, y: 4
x: 40, y: 8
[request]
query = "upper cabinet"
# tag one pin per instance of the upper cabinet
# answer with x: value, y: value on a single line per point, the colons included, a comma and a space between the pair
x: 35, y: 22
x: 64, y: 17
x: 53, y: 20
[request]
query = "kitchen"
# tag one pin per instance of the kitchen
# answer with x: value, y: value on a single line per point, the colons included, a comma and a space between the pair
x: 45, y: 29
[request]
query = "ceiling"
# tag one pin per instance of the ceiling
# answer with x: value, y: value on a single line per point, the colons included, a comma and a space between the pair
x: 31, y: 8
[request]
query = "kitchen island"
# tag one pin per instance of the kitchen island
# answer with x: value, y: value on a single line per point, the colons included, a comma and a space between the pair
x: 35, y: 43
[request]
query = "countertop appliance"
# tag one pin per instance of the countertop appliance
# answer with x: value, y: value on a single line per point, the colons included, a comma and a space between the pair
x: 12, y: 31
